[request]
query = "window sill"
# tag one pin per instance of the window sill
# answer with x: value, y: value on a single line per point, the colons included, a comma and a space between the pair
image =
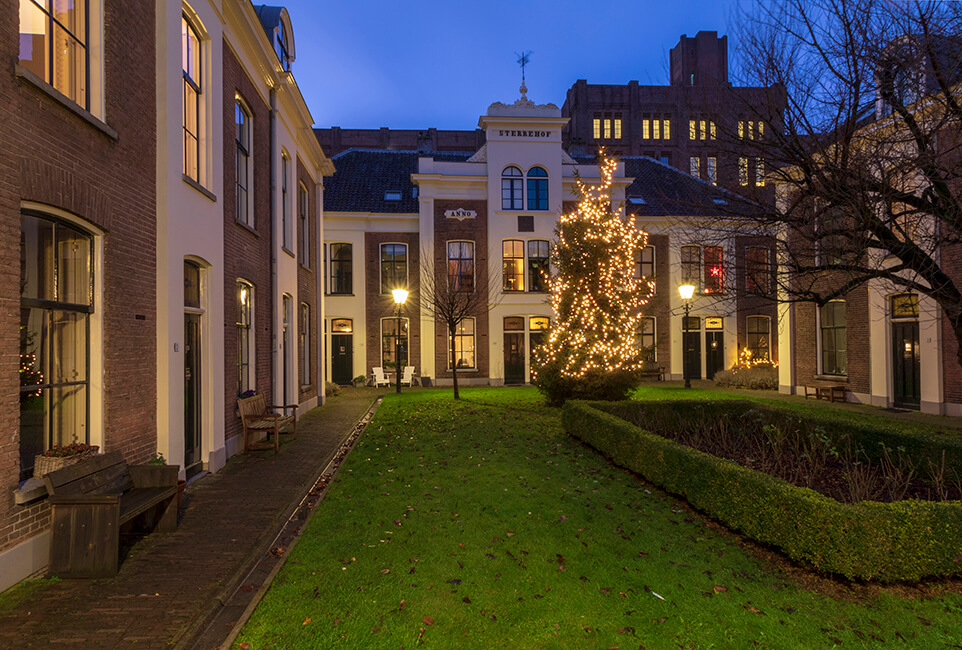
x: 289, y: 252
x: 246, y: 226
x: 33, y: 489
x: 343, y: 295
x: 832, y: 378
x: 468, y: 370
x: 305, y: 267
x: 66, y: 102
x: 200, y: 188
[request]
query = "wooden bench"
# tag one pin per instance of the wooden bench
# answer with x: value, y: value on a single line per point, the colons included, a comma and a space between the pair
x: 831, y: 393
x: 651, y: 369
x: 258, y: 417
x: 92, y: 499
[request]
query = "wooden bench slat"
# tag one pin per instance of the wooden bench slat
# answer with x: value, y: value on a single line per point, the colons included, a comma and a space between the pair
x: 256, y: 417
x: 140, y: 500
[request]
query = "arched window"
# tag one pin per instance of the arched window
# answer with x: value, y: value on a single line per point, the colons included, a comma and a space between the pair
x: 511, y: 184
x: 56, y: 305
x: 537, y: 189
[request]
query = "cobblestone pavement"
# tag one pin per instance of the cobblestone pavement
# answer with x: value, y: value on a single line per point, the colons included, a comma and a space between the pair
x: 171, y: 588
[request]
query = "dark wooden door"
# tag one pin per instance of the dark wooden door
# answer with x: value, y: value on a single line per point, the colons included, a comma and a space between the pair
x: 714, y: 353
x: 192, y: 392
x: 342, y: 358
x: 905, y: 364
x: 514, y: 357
x: 692, y: 354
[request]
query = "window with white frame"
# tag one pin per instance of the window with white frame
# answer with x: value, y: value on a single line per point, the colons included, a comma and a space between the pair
x: 304, y: 343
x: 538, y: 272
x: 714, y: 269
x: 758, y: 336
x: 645, y: 263
x: 287, y: 225
x: 712, y: 169
x: 691, y: 265
x: 537, y: 189
x: 694, y: 166
x: 463, y: 345
x: 757, y: 270
x: 646, y: 338
x: 54, y: 45
x: 512, y: 265
x: 460, y: 266
x: 56, y: 307
x: 833, y: 338
x: 389, y: 337
x: 192, y: 99
x: 242, y: 164
x: 512, y: 182
x: 245, y: 336
x: 394, y: 267
x: 303, y: 226
x: 341, y: 269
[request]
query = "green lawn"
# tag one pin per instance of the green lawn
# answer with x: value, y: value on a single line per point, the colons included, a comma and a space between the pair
x: 480, y: 524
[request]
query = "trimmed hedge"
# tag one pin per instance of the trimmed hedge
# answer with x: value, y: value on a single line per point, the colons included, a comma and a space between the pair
x: 890, y: 542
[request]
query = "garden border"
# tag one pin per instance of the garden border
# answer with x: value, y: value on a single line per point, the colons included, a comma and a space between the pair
x: 888, y: 542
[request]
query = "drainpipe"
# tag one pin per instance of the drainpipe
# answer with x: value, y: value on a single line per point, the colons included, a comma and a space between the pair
x: 273, y: 310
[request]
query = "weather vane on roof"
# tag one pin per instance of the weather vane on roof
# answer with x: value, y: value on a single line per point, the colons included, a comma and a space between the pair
x: 523, y: 59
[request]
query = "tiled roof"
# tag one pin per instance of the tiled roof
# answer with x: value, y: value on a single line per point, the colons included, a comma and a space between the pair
x: 365, y: 176
x: 666, y: 191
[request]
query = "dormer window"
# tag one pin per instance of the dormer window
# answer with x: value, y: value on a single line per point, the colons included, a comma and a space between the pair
x: 392, y: 195
x: 280, y: 46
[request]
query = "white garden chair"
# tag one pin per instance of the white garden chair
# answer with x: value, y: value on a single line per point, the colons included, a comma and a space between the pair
x: 408, y: 376
x: 379, y: 378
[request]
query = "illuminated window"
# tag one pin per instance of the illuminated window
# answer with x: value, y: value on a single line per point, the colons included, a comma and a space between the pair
x: 617, y: 125
x: 757, y: 270
x: 607, y: 125
x: 537, y: 265
x: 394, y: 267
x: 712, y: 131
x: 832, y: 317
x: 341, y: 263
x: 192, y: 89
x: 304, y: 343
x: 537, y: 189
x: 693, y: 166
x: 463, y: 345
x: 758, y: 333
x: 714, y: 269
x: 512, y: 265
x: 53, y: 45
x: 656, y: 129
x: 242, y: 164
x: 646, y: 128
x: 245, y: 336
x: 703, y: 130
x: 743, y: 171
x: 692, y: 129
x: 56, y: 347
x: 666, y: 131
x: 287, y: 227
x: 596, y: 128
x: 460, y: 266
x: 712, y: 169
x: 759, y: 172
x: 511, y: 183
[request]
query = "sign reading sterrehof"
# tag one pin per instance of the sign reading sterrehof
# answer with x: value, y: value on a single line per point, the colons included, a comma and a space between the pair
x: 460, y: 214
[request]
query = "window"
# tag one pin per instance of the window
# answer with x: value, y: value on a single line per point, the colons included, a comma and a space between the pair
x: 538, y: 265
x: 388, y: 339
x: 56, y: 305
x: 646, y: 127
x: 759, y: 172
x: 511, y: 197
x: 537, y: 189
x: 460, y: 266
x: 714, y: 269
x: 691, y: 265
x: 746, y: 130
x: 394, y: 267
x: 758, y: 333
x: 693, y: 166
x: 342, y: 325
x: 464, y: 344
x: 712, y: 131
x: 666, y: 130
x: 303, y: 226
x: 712, y: 169
x: 245, y: 335
x: 656, y: 129
x: 757, y: 270
x: 281, y: 48
x: 646, y: 338
x: 242, y: 164
x: 53, y: 45
x: 645, y: 263
x: 512, y: 265
x: 692, y: 129
x: 905, y: 305
x: 287, y: 227
x: 341, y: 267
x: 832, y: 317
x: 607, y: 127
x: 596, y: 128
x: 704, y: 129
x: 392, y: 195
x: 617, y: 131
x: 304, y: 343
x: 743, y: 171
x: 665, y: 158
x: 191, y: 61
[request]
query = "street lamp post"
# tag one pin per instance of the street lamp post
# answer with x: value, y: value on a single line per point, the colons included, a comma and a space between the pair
x: 400, y: 295
x: 686, y: 291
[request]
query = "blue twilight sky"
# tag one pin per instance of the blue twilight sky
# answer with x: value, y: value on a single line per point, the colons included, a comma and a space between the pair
x: 412, y: 64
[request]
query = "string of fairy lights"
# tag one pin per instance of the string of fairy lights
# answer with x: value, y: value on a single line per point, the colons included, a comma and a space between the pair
x: 596, y: 298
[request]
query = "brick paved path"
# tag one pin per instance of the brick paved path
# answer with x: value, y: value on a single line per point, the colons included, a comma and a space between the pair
x: 170, y: 586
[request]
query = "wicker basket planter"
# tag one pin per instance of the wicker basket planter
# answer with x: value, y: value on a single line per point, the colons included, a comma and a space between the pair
x: 43, y: 465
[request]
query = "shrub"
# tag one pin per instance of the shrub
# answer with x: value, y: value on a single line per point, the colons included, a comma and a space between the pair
x: 906, y: 540
x: 594, y: 385
x: 331, y: 389
x: 760, y: 377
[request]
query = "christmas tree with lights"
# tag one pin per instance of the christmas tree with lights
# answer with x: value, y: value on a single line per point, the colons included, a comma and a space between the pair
x: 592, y: 349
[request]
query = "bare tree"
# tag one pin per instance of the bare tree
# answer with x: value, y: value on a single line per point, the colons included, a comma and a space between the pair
x: 454, y: 289
x: 862, y: 147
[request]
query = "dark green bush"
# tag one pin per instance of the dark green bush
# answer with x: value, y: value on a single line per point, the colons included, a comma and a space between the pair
x: 907, y: 540
x: 757, y: 377
x: 594, y: 385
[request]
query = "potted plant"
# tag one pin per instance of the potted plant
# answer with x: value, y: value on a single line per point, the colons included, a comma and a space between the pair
x: 157, y: 458
x: 60, y: 456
